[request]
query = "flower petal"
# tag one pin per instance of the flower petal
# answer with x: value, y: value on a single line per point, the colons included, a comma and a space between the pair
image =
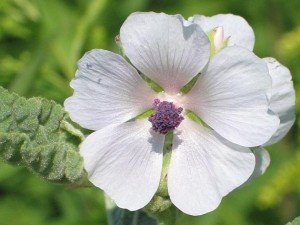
x: 283, y: 98
x: 235, y: 27
x: 106, y: 90
x: 165, y: 48
x: 262, y: 162
x: 205, y: 167
x: 231, y: 97
x: 125, y: 161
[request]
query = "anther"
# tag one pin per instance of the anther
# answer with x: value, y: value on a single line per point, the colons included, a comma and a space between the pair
x: 166, y: 117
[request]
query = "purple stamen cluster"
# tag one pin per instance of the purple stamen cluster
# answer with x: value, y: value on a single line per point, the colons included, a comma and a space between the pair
x: 166, y: 117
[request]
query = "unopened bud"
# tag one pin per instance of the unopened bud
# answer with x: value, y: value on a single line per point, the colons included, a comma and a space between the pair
x: 219, y: 38
x: 158, y: 204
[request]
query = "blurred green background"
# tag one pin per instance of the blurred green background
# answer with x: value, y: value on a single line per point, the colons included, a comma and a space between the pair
x: 40, y: 42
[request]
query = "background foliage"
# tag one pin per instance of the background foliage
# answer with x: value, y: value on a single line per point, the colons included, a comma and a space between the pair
x: 40, y: 42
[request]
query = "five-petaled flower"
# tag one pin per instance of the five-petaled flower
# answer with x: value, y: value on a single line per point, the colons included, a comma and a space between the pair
x: 243, y: 101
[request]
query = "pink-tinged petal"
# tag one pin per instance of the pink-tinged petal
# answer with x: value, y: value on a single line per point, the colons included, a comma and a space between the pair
x: 125, y: 161
x: 282, y: 99
x: 205, y: 167
x: 165, y: 48
x: 262, y: 162
x: 106, y: 90
x: 235, y: 27
x: 231, y: 97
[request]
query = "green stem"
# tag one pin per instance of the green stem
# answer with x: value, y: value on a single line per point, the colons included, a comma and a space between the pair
x: 135, y: 218
x: 168, y: 216
x: 167, y: 151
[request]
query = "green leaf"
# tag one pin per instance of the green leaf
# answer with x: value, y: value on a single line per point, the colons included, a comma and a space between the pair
x: 118, y: 216
x: 294, y: 222
x: 37, y: 133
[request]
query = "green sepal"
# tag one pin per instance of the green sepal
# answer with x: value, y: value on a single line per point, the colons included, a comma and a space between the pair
x: 145, y: 114
x: 186, y: 89
x: 194, y: 117
x: 153, y: 85
x: 37, y: 133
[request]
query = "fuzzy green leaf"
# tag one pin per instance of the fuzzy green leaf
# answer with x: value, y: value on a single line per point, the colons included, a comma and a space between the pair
x: 37, y: 133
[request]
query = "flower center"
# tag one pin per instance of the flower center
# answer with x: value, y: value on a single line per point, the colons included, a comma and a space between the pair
x: 166, y: 117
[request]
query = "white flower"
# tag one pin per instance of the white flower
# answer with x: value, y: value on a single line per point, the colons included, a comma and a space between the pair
x: 236, y: 31
x: 124, y: 156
